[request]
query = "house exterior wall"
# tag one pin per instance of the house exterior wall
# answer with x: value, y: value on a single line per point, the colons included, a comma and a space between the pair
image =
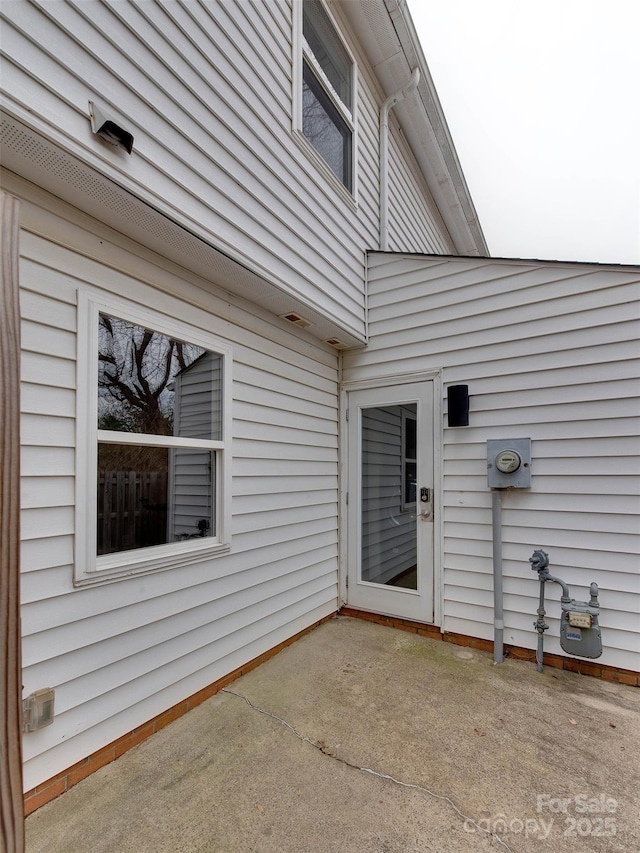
x: 550, y: 352
x: 207, y: 91
x: 219, y: 182
x: 120, y: 653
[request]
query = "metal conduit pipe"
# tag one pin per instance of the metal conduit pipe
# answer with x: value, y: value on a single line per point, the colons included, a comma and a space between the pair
x: 386, y: 108
x: 498, y: 607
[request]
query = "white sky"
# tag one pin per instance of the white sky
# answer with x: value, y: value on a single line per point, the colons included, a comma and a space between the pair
x: 542, y: 98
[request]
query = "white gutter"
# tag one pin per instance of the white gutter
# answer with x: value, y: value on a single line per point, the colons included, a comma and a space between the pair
x: 388, y: 105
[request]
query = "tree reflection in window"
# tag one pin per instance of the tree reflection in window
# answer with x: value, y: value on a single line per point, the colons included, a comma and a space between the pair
x: 150, y: 385
x: 327, y: 91
x: 325, y: 128
x: 136, y: 367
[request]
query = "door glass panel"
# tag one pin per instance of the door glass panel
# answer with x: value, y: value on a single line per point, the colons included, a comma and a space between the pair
x: 388, y: 466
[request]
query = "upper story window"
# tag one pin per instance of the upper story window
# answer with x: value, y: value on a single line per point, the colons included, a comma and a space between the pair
x: 328, y: 85
x: 152, y: 419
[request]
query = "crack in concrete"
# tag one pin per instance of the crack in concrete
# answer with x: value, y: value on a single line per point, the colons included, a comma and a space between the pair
x: 322, y: 747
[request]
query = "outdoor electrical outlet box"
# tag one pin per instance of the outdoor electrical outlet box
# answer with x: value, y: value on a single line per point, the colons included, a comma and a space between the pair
x: 38, y: 709
x: 509, y: 463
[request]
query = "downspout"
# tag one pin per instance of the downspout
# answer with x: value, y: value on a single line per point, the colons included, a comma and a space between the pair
x: 388, y: 105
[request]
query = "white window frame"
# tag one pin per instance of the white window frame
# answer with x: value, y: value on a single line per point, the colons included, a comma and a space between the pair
x: 301, y: 52
x: 89, y: 568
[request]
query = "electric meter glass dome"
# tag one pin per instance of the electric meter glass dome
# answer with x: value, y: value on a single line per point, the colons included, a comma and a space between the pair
x: 508, y: 461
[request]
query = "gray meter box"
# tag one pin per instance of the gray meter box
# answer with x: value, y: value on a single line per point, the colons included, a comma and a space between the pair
x: 579, y: 629
x: 509, y: 463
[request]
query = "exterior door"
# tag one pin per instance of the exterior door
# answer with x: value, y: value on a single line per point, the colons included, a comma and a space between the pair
x: 390, y: 500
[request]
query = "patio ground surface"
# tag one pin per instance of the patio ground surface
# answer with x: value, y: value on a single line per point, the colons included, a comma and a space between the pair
x: 360, y: 737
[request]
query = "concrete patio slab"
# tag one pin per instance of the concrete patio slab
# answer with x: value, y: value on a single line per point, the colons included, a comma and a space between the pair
x: 364, y: 738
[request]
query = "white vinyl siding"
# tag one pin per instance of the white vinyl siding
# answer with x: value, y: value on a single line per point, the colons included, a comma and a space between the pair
x: 207, y: 92
x: 120, y: 654
x: 413, y: 220
x: 550, y: 352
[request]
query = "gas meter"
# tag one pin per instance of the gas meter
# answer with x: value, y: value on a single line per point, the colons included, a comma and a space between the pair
x: 579, y: 629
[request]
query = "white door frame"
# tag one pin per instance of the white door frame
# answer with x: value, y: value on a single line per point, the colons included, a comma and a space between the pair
x: 435, y: 377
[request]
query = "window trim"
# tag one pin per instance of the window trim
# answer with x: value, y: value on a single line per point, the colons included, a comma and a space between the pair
x: 90, y: 568
x: 302, y: 53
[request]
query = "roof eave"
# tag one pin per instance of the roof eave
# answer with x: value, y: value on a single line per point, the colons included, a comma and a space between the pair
x: 387, y: 33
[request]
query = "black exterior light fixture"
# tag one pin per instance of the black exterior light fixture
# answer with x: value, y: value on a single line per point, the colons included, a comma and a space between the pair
x: 458, y: 405
x: 106, y: 128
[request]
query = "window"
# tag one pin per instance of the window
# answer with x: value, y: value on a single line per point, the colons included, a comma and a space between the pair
x: 328, y: 84
x: 409, y: 459
x: 152, y: 432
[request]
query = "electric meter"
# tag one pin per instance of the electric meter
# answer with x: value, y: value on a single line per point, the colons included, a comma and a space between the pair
x: 508, y: 461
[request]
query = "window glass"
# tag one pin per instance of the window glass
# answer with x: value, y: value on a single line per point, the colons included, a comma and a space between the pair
x: 327, y: 91
x: 409, y: 456
x: 157, y: 396
x: 153, y: 496
x: 325, y: 129
x: 327, y: 49
x: 153, y: 384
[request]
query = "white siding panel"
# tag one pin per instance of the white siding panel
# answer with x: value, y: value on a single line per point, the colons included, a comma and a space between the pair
x: 550, y: 351
x: 35, y: 460
x: 58, y: 432
x: 412, y: 219
x: 45, y: 400
x: 46, y: 370
x: 59, y: 552
x: 47, y: 491
x: 39, y: 582
x: 206, y: 90
x: 42, y: 523
x: 46, y: 311
x: 210, y: 136
x: 249, y: 485
x: 153, y: 637
x: 38, y: 337
x: 121, y: 653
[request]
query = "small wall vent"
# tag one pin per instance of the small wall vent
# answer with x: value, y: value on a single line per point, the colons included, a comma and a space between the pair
x: 105, y: 127
x: 296, y: 319
x: 338, y: 344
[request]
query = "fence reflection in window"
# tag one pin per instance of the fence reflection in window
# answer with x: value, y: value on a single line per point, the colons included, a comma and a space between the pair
x: 153, y: 491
